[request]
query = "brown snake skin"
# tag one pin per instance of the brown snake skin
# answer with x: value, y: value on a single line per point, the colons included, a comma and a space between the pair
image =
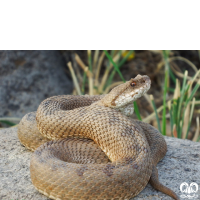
x: 87, y: 148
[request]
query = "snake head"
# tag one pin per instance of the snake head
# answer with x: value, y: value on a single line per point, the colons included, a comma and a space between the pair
x: 127, y: 92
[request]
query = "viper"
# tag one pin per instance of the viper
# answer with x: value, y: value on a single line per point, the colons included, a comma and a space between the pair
x: 87, y: 147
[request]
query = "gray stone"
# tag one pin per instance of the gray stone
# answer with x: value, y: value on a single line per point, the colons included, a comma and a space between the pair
x: 181, y: 164
x: 29, y: 77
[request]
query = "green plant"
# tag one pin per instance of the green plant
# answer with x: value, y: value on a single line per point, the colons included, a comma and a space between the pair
x: 165, y: 55
x: 181, y: 107
x: 9, y: 121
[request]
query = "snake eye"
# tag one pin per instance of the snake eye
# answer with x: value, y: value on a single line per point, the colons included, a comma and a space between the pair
x: 133, y: 84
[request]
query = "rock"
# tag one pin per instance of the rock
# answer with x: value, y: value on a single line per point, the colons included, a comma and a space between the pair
x: 181, y: 164
x: 29, y: 77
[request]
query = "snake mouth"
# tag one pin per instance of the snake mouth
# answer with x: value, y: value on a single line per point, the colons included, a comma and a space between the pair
x: 147, y: 83
x: 147, y: 80
x: 142, y: 81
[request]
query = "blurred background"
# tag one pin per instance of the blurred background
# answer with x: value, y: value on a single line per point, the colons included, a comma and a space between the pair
x: 171, y: 105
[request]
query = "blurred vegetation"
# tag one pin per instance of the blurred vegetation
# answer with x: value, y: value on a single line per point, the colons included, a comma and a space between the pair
x: 177, y: 116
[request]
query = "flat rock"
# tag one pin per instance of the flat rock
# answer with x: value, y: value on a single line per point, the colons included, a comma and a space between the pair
x: 181, y: 164
x: 29, y: 77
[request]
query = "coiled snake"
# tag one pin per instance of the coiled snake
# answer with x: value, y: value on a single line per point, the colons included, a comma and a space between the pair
x: 87, y: 147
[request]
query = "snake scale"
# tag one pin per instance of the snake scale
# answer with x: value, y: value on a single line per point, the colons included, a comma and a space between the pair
x: 87, y: 147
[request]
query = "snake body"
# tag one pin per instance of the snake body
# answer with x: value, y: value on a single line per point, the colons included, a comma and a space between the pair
x: 87, y: 147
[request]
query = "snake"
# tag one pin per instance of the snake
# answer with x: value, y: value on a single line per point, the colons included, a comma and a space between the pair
x: 89, y: 148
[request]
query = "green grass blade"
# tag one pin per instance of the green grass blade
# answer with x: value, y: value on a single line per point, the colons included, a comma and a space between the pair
x: 117, y: 62
x: 125, y: 58
x: 164, y: 105
x: 156, y: 113
x: 165, y: 55
x: 119, y: 65
x: 172, y: 75
x: 183, y: 93
x: 110, y: 78
x: 114, y: 64
x: 184, y: 82
x: 192, y: 93
x: 84, y: 82
x: 190, y: 119
x: 170, y: 107
x: 188, y: 100
x: 7, y: 122
x: 112, y: 53
x: 137, y: 111
x: 170, y: 89
x: 171, y: 122
x: 117, y: 69
x: 174, y: 110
